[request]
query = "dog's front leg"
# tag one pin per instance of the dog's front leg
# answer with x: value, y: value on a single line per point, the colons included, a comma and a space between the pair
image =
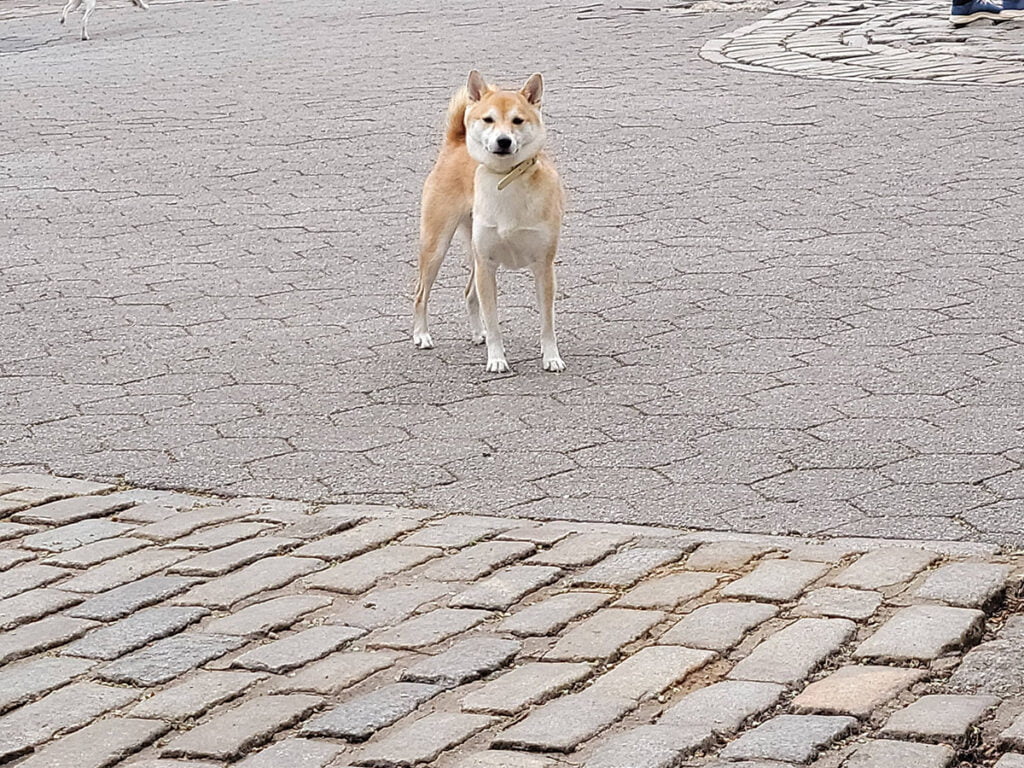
x: 487, y: 293
x: 90, y: 6
x: 544, y: 280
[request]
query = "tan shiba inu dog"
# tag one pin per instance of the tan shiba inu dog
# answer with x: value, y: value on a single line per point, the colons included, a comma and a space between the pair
x: 493, y: 183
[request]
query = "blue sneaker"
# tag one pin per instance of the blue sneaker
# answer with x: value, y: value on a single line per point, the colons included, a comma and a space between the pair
x: 966, y: 11
x: 1013, y: 9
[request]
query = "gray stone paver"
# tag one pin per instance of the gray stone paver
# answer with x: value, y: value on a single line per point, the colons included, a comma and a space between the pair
x: 121, y: 601
x: 63, y: 710
x: 883, y: 568
x: 789, y: 738
x: 479, y: 560
x: 882, y: 753
x: 722, y: 707
x: 295, y: 650
x: 603, y: 635
x: 423, y: 740
x: 650, y: 671
x: 335, y: 673
x: 549, y: 615
x: 388, y: 607
x: 104, y: 742
x: 41, y: 635
x: 22, y: 682
x: 166, y: 659
x: 502, y: 590
x: 133, y: 632
x: 532, y: 683
x: 1013, y: 737
x: 623, y: 569
x: 124, y: 571
x: 294, y: 753
x: 561, y: 725
x: 938, y: 717
x: 649, y: 746
x: 669, y: 591
x: 67, y: 537
x: 360, y: 573
x: 842, y: 603
x: 231, y: 733
x: 996, y: 666
x: 792, y: 653
x: 500, y: 758
x: 968, y: 585
x: 267, y: 574
x: 359, y: 718
x: 27, y: 577
x: 922, y: 632
x: 855, y: 690
x: 267, y: 616
x: 718, y: 626
x: 776, y: 580
x: 174, y: 669
x: 464, y: 661
x: 190, y: 699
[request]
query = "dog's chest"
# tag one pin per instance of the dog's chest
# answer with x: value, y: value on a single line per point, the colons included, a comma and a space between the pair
x: 509, y: 225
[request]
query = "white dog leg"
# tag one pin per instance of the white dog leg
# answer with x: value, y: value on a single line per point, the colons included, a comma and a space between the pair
x: 435, y: 237
x: 487, y: 292
x: 90, y: 6
x: 544, y: 279
x: 476, y: 326
x: 71, y: 6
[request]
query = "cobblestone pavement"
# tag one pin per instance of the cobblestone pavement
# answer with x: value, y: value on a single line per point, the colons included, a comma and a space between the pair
x: 165, y: 630
x: 899, y: 42
x: 788, y: 305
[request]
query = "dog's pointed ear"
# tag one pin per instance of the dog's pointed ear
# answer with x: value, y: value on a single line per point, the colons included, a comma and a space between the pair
x: 534, y: 88
x: 477, y: 86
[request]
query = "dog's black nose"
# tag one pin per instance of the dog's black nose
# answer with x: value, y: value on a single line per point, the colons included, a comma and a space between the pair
x: 504, y: 142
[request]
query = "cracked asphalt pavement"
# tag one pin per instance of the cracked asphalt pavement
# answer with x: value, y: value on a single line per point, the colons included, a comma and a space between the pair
x: 787, y: 305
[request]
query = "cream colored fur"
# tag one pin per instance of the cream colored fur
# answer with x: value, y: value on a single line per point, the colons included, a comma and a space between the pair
x: 491, y: 132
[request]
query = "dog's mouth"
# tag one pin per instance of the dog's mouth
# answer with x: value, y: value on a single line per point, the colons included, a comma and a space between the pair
x: 500, y: 151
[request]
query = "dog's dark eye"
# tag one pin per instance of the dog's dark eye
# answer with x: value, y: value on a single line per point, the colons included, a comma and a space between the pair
x: 488, y: 119
x: 517, y: 121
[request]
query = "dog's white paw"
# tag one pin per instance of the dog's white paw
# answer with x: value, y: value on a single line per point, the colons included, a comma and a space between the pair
x: 478, y: 339
x: 554, y: 364
x: 497, y: 366
x: 422, y: 341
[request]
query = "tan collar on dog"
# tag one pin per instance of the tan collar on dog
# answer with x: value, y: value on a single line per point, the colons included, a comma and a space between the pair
x: 516, y: 172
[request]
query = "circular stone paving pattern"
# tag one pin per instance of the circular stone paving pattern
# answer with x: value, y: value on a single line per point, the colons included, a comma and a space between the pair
x: 900, y: 42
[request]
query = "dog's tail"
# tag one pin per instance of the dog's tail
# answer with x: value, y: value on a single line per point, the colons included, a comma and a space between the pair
x: 456, y: 130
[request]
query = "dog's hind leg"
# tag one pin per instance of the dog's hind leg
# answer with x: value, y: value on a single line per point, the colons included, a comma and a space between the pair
x: 435, y: 237
x: 90, y: 6
x: 476, y: 325
x: 72, y: 5
x: 142, y: 4
x: 544, y: 279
